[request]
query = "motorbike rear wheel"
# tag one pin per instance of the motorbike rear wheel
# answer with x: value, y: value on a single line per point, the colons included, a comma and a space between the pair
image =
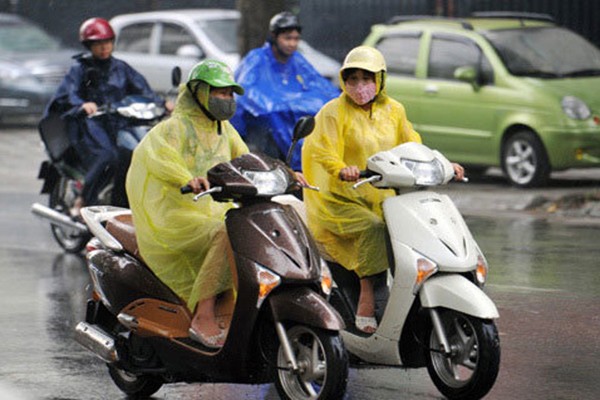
x: 471, y: 370
x: 323, y: 364
x: 61, y: 199
x: 135, y: 385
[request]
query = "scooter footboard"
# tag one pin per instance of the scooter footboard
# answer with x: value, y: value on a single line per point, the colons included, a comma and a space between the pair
x: 457, y: 293
x: 304, y: 306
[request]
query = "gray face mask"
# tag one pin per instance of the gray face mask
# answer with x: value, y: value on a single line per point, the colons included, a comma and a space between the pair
x: 221, y: 109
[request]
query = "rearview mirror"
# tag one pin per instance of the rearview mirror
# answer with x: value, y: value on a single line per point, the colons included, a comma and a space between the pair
x: 467, y: 74
x: 304, y: 127
x: 176, y: 76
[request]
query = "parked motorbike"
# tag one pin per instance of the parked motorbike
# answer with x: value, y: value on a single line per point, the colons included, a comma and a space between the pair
x: 430, y: 305
x: 63, y: 172
x: 280, y: 326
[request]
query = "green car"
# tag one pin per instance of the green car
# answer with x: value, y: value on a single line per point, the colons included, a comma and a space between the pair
x: 514, y: 91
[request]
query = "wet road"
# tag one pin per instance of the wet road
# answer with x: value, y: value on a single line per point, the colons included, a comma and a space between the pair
x: 544, y: 280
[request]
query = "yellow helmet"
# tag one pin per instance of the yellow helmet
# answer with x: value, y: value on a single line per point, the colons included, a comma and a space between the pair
x: 364, y: 57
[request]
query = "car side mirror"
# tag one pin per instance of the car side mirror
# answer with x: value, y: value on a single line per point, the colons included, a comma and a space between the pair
x: 304, y: 127
x: 175, y: 77
x: 468, y: 75
x: 190, y: 51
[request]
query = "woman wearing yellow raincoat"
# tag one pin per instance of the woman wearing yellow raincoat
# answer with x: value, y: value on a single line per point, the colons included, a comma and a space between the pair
x: 362, y: 121
x: 182, y: 241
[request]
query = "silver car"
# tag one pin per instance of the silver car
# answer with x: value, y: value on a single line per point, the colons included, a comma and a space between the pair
x: 32, y: 65
x: 154, y: 42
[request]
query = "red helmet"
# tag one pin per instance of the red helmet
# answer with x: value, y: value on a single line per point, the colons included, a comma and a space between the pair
x: 95, y: 29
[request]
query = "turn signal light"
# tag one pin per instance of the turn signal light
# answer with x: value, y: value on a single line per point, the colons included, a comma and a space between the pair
x: 267, y: 281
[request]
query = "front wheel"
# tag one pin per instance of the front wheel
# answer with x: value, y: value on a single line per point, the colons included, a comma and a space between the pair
x: 524, y: 160
x: 140, y: 386
x: 322, y: 361
x: 62, y: 198
x: 470, y: 371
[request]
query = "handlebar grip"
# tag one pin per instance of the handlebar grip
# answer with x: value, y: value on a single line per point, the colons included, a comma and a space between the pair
x: 366, y: 173
x: 186, y: 189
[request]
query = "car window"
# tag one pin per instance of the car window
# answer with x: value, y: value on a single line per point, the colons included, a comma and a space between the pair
x: 135, y: 38
x: 21, y: 37
x: 400, y: 52
x: 545, y: 52
x: 448, y: 53
x: 222, y: 32
x: 173, y: 37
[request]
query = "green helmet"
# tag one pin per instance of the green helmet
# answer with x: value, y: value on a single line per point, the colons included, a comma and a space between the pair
x: 215, y: 73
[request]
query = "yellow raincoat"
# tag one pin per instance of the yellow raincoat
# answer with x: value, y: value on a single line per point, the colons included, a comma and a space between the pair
x: 182, y: 241
x: 348, y: 222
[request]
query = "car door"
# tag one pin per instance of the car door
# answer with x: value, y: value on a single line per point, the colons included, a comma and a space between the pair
x: 401, y: 51
x: 177, y: 46
x: 457, y: 117
x: 136, y: 45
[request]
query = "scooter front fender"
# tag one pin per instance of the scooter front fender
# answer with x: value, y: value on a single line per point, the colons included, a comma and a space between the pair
x: 457, y: 293
x: 304, y: 306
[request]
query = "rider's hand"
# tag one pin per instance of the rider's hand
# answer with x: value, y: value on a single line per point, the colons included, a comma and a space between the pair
x: 459, y: 172
x: 301, y: 179
x: 89, y: 107
x: 199, y: 184
x: 350, y: 174
x: 169, y: 106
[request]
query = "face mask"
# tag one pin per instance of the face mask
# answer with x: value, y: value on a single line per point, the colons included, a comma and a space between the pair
x: 221, y: 109
x: 362, y: 93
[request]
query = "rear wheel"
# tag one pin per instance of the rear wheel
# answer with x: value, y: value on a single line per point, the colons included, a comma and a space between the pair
x: 135, y: 385
x: 322, y: 361
x: 470, y: 371
x: 61, y: 199
x: 524, y: 160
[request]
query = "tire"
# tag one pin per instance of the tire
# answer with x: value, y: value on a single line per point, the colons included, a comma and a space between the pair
x: 471, y: 370
x: 61, y: 199
x: 524, y: 160
x: 139, y: 386
x: 324, y: 379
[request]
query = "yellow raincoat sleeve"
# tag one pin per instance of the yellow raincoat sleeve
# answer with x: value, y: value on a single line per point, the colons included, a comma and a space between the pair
x: 346, y: 221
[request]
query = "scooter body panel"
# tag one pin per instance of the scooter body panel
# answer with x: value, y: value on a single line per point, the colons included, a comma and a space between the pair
x: 457, y: 293
x: 273, y: 235
x: 304, y: 306
x: 430, y: 224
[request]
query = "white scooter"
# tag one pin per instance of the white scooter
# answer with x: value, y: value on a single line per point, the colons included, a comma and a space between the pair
x: 431, y: 308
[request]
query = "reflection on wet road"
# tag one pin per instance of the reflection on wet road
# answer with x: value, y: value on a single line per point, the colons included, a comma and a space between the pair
x: 543, y: 278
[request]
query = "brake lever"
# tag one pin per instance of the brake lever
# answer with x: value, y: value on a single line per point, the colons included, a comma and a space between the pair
x: 371, y: 179
x: 215, y: 189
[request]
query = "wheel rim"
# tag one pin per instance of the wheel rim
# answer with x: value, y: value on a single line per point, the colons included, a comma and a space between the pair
x: 457, y: 369
x: 126, y: 376
x: 312, y: 363
x: 521, y: 162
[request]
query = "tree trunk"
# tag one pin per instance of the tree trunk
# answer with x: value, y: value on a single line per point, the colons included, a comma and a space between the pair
x: 254, y: 23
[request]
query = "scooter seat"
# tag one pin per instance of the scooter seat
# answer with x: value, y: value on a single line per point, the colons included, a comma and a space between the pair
x: 121, y: 228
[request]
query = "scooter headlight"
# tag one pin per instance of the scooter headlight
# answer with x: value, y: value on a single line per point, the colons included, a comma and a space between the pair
x: 267, y: 281
x: 425, y: 269
x: 425, y: 173
x: 268, y: 183
x: 326, y: 278
x: 481, y: 271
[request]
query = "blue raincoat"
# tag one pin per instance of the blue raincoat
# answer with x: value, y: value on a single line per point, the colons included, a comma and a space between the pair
x: 276, y: 96
x: 94, y: 139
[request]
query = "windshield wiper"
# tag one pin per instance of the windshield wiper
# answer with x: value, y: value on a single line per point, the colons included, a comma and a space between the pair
x: 583, y: 72
x: 538, y: 74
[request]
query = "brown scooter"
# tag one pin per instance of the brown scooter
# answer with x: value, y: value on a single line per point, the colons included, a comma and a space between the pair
x: 280, y: 326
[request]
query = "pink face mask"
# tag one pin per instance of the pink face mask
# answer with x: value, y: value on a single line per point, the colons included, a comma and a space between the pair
x: 362, y: 92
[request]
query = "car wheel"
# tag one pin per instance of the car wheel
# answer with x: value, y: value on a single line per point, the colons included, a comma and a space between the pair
x: 524, y: 160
